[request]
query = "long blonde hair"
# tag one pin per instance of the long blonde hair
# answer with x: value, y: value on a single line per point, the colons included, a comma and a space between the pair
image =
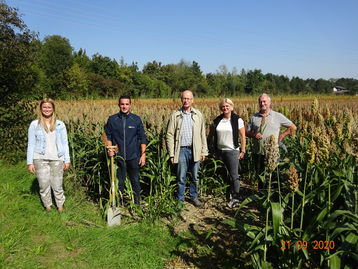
x: 41, y: 118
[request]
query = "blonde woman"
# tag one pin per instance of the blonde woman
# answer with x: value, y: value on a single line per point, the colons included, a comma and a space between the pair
x: 48, y: 154
x: 227, y: 129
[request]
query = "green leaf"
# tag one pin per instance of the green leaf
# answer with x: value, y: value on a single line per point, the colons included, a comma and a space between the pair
x: 305, y: 252
x: 336, y: 193
x: 266, y: 265
x: 352, y: 238
x: 256, y: 240
x: 335, y: 262
x: 276, y: 218
x: 247, y: 201
x: 230, y: 222
x: 338, y: 173
x: 322, y: 214
x: 339, y: 230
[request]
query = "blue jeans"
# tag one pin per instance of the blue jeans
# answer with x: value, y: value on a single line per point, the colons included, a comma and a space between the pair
x: 186, y: 164
x: 132, y: 168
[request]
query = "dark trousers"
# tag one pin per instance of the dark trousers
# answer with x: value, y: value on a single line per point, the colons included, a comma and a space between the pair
x: 132, y: 168
x: 259, y: 163
x: 231, y: 160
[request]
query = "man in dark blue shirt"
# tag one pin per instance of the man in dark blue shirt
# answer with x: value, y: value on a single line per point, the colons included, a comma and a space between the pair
x: 126, y: 131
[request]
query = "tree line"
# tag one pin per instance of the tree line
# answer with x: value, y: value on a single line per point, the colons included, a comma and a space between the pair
x: 53, y: 68
x: 62, y: 72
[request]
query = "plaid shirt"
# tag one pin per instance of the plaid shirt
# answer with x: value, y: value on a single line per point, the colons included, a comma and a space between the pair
x: 187, y: 130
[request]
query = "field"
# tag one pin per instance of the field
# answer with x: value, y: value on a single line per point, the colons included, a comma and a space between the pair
x: 306, y: 218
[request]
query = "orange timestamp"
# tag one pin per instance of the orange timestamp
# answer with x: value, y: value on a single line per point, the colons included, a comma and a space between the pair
x: 303, y: 244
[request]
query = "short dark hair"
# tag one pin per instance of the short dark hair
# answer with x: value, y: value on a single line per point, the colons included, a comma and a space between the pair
x: 125, y: 97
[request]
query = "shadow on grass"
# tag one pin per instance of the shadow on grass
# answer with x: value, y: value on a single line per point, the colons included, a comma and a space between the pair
x: 35, y: 188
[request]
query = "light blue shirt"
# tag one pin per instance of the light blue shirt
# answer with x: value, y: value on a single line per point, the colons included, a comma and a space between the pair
x: 187, y: 130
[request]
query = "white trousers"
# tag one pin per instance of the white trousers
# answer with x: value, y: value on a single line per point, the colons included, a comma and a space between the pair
x: 50, y: 176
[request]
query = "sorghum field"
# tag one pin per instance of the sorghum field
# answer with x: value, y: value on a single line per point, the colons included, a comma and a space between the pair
x: 307, y: 216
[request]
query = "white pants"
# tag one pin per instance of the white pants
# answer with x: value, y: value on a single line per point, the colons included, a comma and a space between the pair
x: 50, y: 176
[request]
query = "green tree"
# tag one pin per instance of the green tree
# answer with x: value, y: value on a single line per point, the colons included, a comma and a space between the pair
x: 322, y: 86
x: 254, y: 80
x: 283, y: 84
x: 297, y: 85
x: 234, y: 84
x: 154, y: 70
x: 354, y: 89
x: 55, y: 59
x: 82, y: 60
x: 101, y: 86
x: 216, y: 83
x: 186, y: 76
x: 348, y: 83
x: 104, y: 66
x: 56, y: 55
x: 76, y: 81
x: 17, y: 80
x: 145, y: 86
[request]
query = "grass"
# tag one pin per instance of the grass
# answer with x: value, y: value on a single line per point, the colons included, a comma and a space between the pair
x: 78, y: 238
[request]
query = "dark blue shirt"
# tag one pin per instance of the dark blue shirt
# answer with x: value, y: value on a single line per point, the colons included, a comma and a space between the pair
x: 126, y: 131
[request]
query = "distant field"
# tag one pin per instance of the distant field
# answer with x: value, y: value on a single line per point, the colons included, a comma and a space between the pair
x: 157, y: 111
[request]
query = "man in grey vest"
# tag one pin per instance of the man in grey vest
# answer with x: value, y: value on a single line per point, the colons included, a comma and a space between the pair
x: 262, y: 125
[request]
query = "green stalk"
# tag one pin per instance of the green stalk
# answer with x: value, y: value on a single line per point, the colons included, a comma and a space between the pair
x: 279, y: 188
x: 329, y: 213
x: 355, y: 194
x: 303, y: 198
x: 267, y: 216
x: 73, y: 161
x: 292, y: 209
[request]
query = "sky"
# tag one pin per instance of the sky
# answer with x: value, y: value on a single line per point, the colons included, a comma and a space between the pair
x: 303, y: 38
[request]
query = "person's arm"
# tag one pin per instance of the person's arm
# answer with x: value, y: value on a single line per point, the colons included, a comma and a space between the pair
x: 290, y: 130
x: 30, y: 148
x: 143, y: 144
x: 250, y: 132
x: 66, y: 166
x: 243, y: 142
x: 64, y: 141
x: 108, y: 139
x: 142, y: 158
x: 211, y: 139
x: 204, y: 145
x: 170, y: 137
x: 255, y: 135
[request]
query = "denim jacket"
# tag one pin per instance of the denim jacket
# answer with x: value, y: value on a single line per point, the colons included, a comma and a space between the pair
x: 37, y: 141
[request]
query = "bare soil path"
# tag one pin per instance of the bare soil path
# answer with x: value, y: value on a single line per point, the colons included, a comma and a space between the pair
x: 208, y: 236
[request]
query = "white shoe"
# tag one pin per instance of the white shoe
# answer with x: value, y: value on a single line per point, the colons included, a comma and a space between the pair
x: 233, y: 203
